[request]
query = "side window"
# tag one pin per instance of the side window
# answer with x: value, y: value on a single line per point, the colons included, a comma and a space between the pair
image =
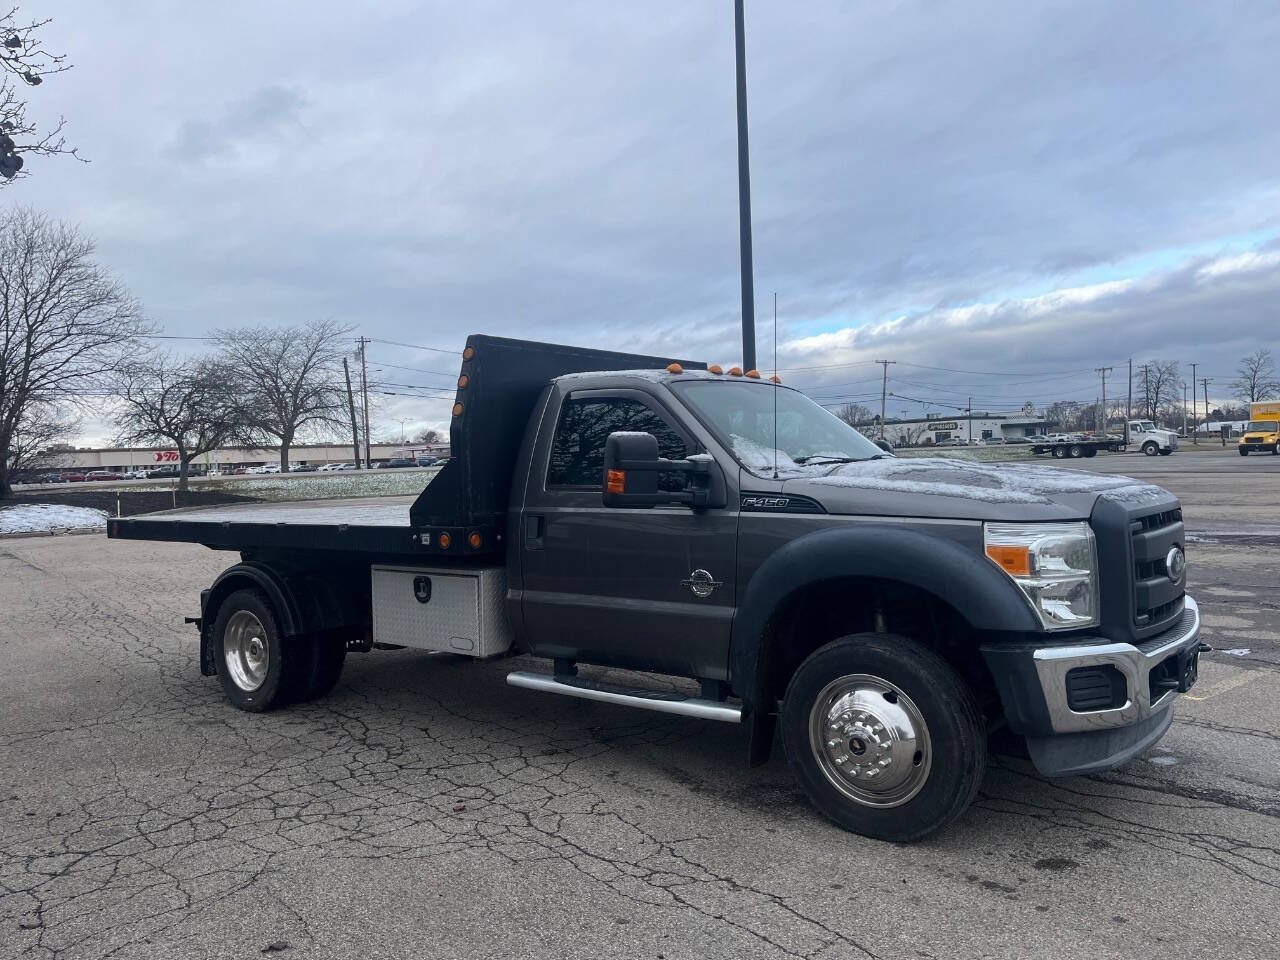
x: 577, y: 454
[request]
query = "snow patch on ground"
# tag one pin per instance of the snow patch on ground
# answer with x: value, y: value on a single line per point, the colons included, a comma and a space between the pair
x: 49, y: 518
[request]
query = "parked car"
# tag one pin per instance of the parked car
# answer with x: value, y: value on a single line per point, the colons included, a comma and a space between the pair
x: 101, y: 475
x: 398, y: 462
x: 345, y: 466
x: 138, y: 474
x: 49, y: 478
x: 303, y: 468
x: 168, y: 472
x: 950, y: 442
x: 1008, y: 440
x: 73, y: 476
x: 427, y: 461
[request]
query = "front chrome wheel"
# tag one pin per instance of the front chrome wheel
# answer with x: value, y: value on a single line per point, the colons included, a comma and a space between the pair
x: 246, y: 651
x: 870, y: 740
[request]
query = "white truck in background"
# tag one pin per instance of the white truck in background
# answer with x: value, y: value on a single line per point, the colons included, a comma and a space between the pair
x: 1144, y: 435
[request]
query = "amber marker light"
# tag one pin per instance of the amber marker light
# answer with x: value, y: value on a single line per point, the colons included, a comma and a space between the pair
x: 775, y: 379
x: 475, y: 539
x: 468, y: 353
x: 444, y: 540
x: 463, y: 381
x: 735, y: 371
x: 716, y: 369
x: 1014, y: 560
x: 457, y: 409
x: 617, y: 481
x: 753, y: 374
x: 674, y: 368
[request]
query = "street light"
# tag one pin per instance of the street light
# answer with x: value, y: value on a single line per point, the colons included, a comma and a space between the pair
x: 403, y: 421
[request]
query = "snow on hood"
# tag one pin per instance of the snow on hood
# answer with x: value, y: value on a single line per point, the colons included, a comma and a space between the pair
x: 991, y: 482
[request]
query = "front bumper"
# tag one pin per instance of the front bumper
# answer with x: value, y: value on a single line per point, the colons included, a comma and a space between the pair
x: 1063, y: 740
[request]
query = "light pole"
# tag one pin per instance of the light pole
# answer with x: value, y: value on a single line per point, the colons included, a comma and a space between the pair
x: 403, y: 421
x: 744, y: 194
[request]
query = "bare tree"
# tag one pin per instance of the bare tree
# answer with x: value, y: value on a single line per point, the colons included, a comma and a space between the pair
x: 25, y: 63
x: 854, y: 414
x: 41, y: 426
x: 289, y: 380
x: 1257, y: 377
x: 1158, y: 383
x: 64, y: 323
x: 427, y: 436
x: 191, y: 404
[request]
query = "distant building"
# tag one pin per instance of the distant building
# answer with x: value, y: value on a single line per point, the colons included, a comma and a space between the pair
x: 978, y: 425
x: 121, y: 459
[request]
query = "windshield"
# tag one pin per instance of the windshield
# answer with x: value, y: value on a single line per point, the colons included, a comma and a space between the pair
x: 1262, y: 426
x: 1145, y: 425
x: 742, y: 415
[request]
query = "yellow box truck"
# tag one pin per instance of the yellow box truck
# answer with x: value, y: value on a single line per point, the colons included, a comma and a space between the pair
x: 1262, y: 432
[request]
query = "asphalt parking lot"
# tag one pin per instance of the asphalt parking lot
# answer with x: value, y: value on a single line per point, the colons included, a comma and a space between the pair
x: 426, y: 809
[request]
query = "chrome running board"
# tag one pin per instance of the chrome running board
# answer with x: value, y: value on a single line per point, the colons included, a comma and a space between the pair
x: 658, y: 700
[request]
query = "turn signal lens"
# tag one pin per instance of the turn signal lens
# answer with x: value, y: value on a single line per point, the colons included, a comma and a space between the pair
x: 463, y: 381
x: 775, y: 379
x: 1014, y: 560
x: 715, y: 368
x: 735, y: 371
x: 475, y: 540
x: 753, y: 374
x: 617, y: 481
x: 674, y: 368
x: 457, y: 409
x: 444, y: 540
x: 468, y: 353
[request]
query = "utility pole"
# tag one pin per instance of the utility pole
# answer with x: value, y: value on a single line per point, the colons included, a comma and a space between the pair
x: 351, y: 405
x: 1102, y: 419
x: 1205, y: 381
x: 969, y: 418
x: 884, y: 388
x: 1194, y: 437
x: 1184, y: 406
x: 364, y: 391
x: 744, y: 195
x: 1128, y: 404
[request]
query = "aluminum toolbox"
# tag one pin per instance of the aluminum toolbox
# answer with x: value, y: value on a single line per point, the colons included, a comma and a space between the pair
x: 449, y: 610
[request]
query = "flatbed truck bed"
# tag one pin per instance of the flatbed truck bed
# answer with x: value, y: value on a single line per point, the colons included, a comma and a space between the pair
x: 377, y: 526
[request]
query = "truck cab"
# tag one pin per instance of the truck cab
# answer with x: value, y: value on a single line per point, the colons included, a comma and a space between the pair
x: 1262, y: 432
x: 1150, y: 439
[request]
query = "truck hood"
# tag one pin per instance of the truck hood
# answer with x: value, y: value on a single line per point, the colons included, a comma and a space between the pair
x: 950, y: 488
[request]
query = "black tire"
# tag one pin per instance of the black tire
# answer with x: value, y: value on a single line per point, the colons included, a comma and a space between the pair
x: 953, y: 750
x: 277, y: 684
x: 1150, y: 448
x: 324, y: 667
x: 1244, y: 451
x: 1276, y: 449
x: 1091, y: 451
x: 1165, y: 453
x: 1077, y: 451
x: 1059, y: 452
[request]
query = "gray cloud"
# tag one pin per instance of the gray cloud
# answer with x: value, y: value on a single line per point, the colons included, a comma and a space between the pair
x: 568, y: 171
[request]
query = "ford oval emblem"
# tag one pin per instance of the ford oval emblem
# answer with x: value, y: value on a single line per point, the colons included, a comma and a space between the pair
x: 1175, y: 563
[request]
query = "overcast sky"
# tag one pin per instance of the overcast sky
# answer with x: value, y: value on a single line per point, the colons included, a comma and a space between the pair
x: 1030, y: 189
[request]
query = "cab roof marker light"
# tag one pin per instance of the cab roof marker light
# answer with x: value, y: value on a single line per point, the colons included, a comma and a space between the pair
x: 735, y: 371
x: 674, y: 368
x: 715, y: 368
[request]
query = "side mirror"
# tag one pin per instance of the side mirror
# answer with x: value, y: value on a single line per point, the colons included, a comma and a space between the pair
x: 631, y: 468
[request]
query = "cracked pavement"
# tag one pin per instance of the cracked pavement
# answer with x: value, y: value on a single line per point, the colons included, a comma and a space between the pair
x: 426, y: 809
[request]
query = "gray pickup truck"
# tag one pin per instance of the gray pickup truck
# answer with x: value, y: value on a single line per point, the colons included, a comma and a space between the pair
x: 888, y: 618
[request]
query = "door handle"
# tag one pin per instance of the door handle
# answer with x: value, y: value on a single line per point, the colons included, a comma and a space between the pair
x: 534, y: 527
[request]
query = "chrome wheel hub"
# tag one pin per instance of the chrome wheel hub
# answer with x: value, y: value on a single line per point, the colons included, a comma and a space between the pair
x: 246, y: 651
x: 870, y: 740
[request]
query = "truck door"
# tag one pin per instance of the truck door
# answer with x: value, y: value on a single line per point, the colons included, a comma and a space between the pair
x: 645, y: 588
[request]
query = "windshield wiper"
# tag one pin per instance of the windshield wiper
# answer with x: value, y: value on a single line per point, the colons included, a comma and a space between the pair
x: 825, y: 458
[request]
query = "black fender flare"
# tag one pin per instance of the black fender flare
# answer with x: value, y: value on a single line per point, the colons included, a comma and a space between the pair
x: 304, y: 601
x: 974, y: 586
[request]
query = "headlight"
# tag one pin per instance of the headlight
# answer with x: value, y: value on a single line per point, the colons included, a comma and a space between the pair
x: 1054, y: 564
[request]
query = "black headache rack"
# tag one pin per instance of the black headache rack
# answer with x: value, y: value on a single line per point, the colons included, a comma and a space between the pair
x: 463, y: 509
